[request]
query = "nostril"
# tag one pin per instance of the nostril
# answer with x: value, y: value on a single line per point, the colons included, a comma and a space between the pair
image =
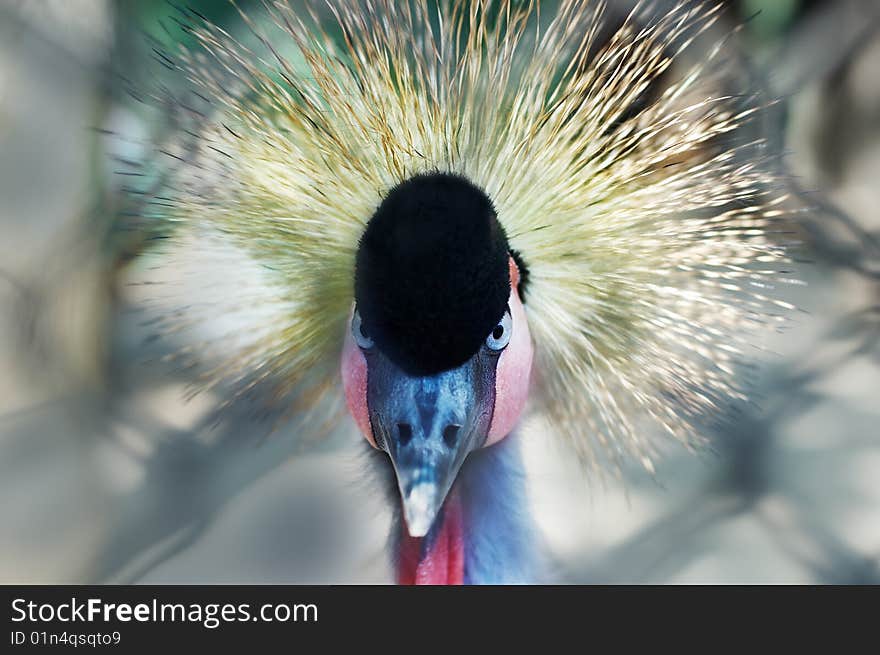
x: 404, y: 433
x: 450, y: 435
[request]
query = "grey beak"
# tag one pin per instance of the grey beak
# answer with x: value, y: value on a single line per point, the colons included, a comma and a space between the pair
x: 428, y: 425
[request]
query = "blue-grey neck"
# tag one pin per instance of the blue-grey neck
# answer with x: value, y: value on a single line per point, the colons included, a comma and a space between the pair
x: 502, y: 544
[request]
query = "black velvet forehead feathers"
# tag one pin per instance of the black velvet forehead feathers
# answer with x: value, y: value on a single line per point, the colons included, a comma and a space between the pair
x: 432, y: 277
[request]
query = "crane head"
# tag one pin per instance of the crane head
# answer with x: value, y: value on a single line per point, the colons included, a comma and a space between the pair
x: 437, y: 361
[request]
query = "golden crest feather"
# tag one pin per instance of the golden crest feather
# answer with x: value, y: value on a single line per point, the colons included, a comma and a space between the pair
x: 645, y: 236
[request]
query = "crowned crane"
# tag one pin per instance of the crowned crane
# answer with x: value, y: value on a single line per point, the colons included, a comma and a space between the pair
x: 455, y: 214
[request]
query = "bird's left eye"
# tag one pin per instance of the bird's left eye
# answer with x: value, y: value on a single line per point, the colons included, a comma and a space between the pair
x: 357, y: 331
x: 500, y: 335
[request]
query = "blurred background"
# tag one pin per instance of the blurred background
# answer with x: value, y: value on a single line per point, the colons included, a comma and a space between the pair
x: 110, y: 472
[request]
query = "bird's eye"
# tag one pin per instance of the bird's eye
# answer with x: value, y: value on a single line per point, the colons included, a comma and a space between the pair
x: 357, y: 331
x: 500, y: 335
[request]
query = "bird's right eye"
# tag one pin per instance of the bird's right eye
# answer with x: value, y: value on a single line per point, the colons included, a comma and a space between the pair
x: 361, y: 338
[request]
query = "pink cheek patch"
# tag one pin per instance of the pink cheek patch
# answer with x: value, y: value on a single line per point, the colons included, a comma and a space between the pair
x: 512, y: 374
x: 354, y: 380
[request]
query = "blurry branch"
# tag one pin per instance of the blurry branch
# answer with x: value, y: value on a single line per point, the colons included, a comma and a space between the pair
x: 826, y: 39
x: 14, y: 21
x: 822, y: 45
x: 679, y: 536
x: 861, y: 253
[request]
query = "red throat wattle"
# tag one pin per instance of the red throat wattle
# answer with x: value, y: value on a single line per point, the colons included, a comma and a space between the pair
x: 440, y: 561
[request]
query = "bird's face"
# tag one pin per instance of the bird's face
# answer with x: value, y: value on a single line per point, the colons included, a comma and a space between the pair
x: 430, y: 405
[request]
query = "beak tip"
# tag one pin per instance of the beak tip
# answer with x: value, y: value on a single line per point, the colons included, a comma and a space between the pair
x: 420, y: 507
